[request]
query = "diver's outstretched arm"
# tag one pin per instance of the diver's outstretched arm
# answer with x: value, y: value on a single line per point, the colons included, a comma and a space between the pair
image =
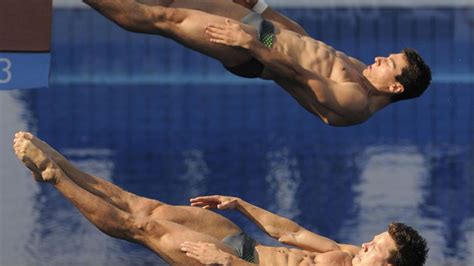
x: 283, y: 229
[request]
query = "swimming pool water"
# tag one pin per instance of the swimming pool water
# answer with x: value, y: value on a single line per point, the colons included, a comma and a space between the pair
x: 166, y: 123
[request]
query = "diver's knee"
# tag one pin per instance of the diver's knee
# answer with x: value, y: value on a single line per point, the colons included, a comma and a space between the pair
x: 145, y: 208
x: 147, y: 228
x: 148, y: 20
x: 168, y: 15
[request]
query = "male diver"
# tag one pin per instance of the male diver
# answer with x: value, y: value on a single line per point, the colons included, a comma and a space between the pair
x: 263, y: 43
x: 188, y: 235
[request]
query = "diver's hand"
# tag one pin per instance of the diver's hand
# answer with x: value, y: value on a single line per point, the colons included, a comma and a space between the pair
x: 231, y: 34
x: 206, y: 253
x: 246, y: 3
x: 215, y: 202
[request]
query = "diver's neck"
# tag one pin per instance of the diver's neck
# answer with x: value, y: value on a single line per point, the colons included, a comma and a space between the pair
x: 377, y: 98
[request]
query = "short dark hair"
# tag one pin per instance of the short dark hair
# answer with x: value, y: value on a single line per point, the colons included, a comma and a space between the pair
x: 415, y: 77
x: 411, y: 247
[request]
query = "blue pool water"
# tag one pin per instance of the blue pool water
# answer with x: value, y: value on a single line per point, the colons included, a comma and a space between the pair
x: 167, y: 123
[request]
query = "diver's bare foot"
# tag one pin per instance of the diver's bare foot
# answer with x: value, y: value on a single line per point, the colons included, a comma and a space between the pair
x: 41, y: 166
x: 43, y: 146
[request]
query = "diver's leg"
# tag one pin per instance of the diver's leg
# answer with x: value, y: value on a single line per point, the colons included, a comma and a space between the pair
x: 194, y: 218
x: 99, y: 187
x: 185, y: 26
x: 223, y: 8
x: 103, y: 215
x: 163, y: 237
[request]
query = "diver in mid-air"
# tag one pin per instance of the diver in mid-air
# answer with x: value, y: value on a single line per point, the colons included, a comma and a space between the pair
x: 262, y: 43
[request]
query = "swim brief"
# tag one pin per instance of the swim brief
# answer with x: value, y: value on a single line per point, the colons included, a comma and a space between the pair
x: 266, y: 32
x: 243, y: 245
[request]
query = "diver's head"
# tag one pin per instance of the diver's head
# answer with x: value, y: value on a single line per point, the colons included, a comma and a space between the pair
x: 401, y: 245
x: 402, y: 76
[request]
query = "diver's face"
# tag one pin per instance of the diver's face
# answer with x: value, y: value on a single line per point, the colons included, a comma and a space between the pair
x: 376, y: 252
x: 383, y: 71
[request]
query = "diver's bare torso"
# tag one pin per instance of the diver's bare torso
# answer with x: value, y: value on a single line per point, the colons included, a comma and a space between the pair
x: 296, y: 257
x: 345, y: 72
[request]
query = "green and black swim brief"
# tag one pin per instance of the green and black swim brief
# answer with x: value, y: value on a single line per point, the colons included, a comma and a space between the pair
x: 266, y: 32
x: 265, y: 29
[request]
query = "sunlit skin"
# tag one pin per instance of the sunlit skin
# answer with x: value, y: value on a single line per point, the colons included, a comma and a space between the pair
x: 347, y: 91
x: 375, y: 252
x: 339, y: 89
x: 189, y: 235
x: 383, y: 71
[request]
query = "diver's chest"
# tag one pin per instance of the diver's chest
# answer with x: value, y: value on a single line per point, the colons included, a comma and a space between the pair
x: 344, y: 72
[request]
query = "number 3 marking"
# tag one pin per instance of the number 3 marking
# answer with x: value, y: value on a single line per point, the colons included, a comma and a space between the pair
x: 6, y: 70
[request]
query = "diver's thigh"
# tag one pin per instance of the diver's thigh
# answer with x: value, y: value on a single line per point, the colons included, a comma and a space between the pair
x: 197, y: 219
